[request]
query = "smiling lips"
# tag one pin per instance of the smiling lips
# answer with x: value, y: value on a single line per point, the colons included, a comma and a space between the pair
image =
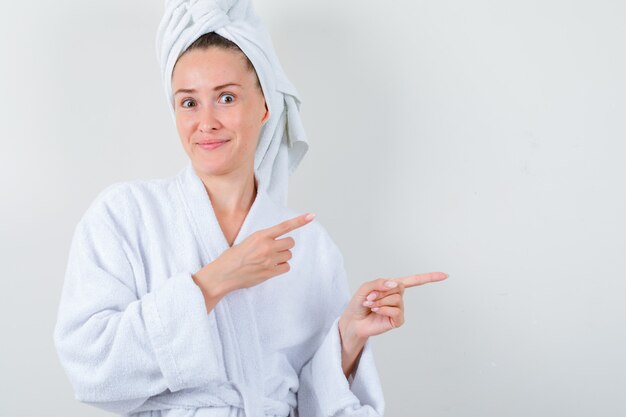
x: 211, y: 144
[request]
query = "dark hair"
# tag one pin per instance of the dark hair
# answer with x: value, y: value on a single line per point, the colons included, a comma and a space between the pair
x: 212, y: 39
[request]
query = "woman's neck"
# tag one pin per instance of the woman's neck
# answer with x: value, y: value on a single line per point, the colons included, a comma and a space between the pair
x: 231, y: 195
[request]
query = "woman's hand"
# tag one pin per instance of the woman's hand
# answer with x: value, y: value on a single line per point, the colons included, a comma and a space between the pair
x: 254, y: 260
x: 376, y: 307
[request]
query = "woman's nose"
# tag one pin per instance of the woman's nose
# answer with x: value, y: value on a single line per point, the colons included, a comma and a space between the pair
x: 209, y: 120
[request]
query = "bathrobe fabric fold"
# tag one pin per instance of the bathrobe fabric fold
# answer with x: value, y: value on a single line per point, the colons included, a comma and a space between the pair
x: 134, y: 338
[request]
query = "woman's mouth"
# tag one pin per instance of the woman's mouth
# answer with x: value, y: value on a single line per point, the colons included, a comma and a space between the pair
x: 212, y: 144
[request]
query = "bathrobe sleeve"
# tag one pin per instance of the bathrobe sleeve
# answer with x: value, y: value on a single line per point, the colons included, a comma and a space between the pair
x: 324, y: 390
x: 119, y: 349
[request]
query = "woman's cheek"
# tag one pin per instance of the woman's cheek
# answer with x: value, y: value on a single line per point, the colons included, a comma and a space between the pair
x: 188, y: 124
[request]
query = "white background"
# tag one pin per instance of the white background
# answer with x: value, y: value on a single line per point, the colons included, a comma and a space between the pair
x: 484, y: 139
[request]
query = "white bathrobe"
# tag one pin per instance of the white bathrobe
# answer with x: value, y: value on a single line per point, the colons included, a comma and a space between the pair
x: 134, y: 337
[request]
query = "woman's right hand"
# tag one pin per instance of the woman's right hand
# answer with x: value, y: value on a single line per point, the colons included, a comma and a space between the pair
x: 254, y: 260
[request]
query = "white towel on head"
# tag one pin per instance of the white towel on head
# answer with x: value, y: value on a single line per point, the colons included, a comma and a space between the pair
x: 282, y: 142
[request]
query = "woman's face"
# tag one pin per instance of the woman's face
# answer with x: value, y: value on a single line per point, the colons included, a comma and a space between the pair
x: 219, y: 110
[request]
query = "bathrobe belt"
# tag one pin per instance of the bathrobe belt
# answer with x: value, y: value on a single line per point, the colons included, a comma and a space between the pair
x: 233, y: 394
x: 252, y: 404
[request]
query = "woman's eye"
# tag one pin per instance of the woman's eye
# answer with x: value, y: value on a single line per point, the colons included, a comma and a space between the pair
x: 186, y: 101
x: 227, y: 98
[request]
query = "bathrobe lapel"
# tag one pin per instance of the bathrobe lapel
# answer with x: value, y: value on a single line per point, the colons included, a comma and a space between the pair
x: 234, y: 314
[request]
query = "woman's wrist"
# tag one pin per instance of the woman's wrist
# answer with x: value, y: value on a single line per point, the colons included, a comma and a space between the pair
x: 212, y: 287
x: 351, y: 346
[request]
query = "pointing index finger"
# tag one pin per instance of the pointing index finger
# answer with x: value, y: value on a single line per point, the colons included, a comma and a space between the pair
x: 419, y: 279
x: 289, y: 225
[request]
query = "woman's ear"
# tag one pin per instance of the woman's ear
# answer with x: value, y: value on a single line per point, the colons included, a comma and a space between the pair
x: 267, y: 114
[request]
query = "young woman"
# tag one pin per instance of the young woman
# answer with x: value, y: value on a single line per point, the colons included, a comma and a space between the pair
x: 200, y: 294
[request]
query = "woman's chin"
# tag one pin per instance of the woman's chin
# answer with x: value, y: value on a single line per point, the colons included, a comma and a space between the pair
x: 211, y: 168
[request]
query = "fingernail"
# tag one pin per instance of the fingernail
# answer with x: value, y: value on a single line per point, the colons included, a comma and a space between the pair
x: 368, y: 303
x: 375, y: 308
x: 391, y: 284
x: 309, y: 216
x: 372, y: 295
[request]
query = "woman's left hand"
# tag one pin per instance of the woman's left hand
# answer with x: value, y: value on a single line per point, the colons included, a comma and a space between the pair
x: 376, y: 308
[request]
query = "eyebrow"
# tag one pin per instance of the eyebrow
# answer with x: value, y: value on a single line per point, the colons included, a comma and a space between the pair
x: 193, y: 90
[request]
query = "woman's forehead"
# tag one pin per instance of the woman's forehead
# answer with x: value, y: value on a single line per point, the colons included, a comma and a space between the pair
x: 212, y: 69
